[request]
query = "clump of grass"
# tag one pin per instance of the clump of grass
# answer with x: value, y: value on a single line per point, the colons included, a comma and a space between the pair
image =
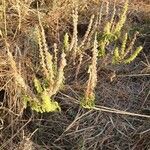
x: 124, y: 54
x: 52, y: 79
x: 111, y: 34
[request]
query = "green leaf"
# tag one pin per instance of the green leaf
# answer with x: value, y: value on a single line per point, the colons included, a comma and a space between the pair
x: 116, y: 57
x: 134, y: 55
x: 37, y: 85
x: 47, y: 104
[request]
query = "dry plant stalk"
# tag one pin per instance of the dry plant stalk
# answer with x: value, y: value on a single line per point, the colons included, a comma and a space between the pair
x: 19, y: 14
x: 18, y: 78
x: 42, y: 57
x: 100, y: 13
x: 87, y: 32
x: 112, y: 22
x: 74, y: 41
x: 89, y: 98
x: 78, y: 66
x: 55, y: 55
x: 46, y: 60
x: 60, y: 74
x: 130, y: 47
x: 4, y: 17
x: 93, y: 30
x: 86, y: 38
x: 122, y: 19
x: 107, y: 9
x: 66, y: 43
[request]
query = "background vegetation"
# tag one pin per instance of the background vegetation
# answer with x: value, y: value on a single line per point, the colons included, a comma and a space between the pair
x: 74, y: 74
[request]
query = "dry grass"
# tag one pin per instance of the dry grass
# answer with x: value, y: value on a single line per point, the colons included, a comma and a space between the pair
x: 120, y: 118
